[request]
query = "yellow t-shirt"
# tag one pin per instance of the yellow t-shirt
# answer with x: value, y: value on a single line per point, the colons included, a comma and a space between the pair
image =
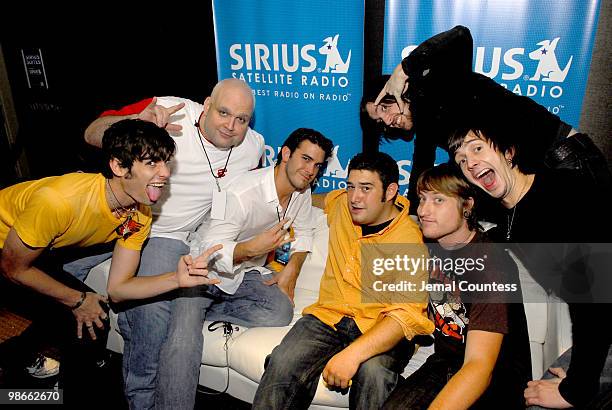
x: 67, y: 210
x: 344, y: 293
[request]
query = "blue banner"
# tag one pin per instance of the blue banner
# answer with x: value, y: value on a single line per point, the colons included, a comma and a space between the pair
x: 537, y: 48
x: 304, y: 62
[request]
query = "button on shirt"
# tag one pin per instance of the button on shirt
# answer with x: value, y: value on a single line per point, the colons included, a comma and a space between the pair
x: 343, y: 293
x: 252, y: 207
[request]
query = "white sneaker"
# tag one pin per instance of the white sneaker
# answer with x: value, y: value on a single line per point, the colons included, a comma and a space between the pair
x: 43, y: 367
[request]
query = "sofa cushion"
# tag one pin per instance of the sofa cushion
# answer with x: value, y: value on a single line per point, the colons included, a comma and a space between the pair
x: 216, y: 342
x: 534, y: 297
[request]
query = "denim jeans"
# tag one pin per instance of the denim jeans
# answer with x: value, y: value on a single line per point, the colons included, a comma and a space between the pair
x: 253, y: 305
x: 144, y: 324
x: 80, y: 268
x: 292, y: 373
x: 421, y: 387
x: 605, y: 380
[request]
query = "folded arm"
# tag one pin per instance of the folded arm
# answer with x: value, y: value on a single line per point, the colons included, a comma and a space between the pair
x: 382, y: 337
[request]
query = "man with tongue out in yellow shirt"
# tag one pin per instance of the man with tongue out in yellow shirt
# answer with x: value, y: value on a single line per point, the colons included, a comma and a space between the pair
x: 81, y: 210
x: 41, y: 220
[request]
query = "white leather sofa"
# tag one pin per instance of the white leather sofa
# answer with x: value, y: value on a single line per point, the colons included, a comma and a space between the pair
x: 234, y: 363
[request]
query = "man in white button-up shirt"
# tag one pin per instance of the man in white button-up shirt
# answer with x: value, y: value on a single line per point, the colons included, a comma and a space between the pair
x: 259, y: 209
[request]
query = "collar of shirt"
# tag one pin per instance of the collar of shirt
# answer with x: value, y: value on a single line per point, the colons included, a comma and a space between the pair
x: 269, y: 188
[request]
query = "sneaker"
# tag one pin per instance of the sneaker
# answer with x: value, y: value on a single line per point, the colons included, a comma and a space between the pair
x: 43, y: 367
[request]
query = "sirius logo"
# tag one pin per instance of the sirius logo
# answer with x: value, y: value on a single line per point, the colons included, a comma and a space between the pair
x: 548, y: 67
x: 333, y: 60
x: 293, y: 65
x: 547, y: 70
x: 334, y: 166
x: 511, y: 74
x: 289, y: 57
x: 270, y: 58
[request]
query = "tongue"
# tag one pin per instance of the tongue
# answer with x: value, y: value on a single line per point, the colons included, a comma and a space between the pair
x: 154, y: 193
x: 488, y: 179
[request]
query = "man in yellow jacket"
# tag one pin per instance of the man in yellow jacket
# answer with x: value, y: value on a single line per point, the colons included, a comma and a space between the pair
x: 357, y: 334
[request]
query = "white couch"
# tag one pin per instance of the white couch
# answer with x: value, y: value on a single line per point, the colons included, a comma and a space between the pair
x: 237, y: 363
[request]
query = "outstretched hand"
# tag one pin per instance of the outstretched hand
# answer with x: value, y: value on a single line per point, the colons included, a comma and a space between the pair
x: 160, y: 115
x: 194, y: 272
x: 395, y: 86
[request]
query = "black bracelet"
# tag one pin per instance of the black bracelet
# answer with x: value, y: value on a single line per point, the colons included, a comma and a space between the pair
x: 80, y: 302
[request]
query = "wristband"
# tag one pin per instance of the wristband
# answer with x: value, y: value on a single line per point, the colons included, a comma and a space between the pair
x: 80, y: 302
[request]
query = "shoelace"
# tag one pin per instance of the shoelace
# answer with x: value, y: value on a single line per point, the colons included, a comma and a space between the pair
x: 37, y: 363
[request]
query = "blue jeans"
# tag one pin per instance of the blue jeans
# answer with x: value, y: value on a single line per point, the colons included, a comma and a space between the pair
x: 144, y: 324
x: 82, y: 260
x: 292, y: 374
x: 253, y: 305
x: 421, y: 387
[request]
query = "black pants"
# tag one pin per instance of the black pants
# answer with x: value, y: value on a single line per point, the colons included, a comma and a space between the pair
x: 421, y: 388
x: 54, y: 325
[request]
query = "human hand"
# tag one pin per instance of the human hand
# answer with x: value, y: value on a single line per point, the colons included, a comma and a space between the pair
x: 396, y: 85
x: 285, y: 279
x: 194, y: 272
x: 160, y: 115
x: 269, y: 240
x: 90, y: 312
x: 545, y: 393
x: 340, y: 370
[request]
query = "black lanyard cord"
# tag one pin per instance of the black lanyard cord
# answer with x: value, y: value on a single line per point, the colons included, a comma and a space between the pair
x: 222, y: 170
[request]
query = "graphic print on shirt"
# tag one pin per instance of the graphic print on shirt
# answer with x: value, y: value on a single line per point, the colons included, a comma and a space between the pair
x: 447, y: 310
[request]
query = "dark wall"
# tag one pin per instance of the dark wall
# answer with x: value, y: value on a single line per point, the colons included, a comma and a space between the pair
x: 93, y: 68
x: 596, y: 117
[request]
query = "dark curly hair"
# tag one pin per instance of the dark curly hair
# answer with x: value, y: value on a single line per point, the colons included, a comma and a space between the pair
x: 381, y: 163
x: 136, y: 140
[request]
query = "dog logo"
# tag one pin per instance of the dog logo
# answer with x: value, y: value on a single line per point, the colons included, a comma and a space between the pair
x: 334, y: 61
x: 334, y: 167
x: 548, y: 67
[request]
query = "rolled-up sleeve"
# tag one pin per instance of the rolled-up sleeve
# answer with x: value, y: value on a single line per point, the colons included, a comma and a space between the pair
x: 225, y: 232
x: 411, y: 317
x: 409, y: 308
x: 303, y: 225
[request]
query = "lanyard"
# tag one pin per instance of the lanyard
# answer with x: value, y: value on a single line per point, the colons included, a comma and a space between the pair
x: 221, y: 172
x: 286, y: 209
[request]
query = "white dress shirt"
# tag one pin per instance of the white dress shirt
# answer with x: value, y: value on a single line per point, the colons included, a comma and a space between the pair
x: 252, y: 207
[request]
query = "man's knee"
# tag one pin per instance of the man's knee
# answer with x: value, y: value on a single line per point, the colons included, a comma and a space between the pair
x: 145, y: 322
x: 282, y: 312
x: 280, y: 364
